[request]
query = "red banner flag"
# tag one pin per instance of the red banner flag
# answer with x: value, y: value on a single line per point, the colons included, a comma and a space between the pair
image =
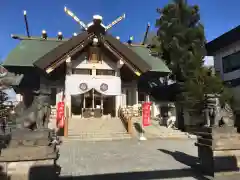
x: 146, y: 114
x: 60, y: 114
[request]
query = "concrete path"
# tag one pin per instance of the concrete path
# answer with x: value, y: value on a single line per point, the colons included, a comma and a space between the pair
x: 128, y: 160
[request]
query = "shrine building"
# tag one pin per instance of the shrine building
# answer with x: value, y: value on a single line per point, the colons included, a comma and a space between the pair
x: 93, y: 72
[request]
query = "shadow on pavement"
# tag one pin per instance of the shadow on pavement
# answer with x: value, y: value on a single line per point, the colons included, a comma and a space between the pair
x: 40, y: 173
x: 3, y: 175
x: 183, y: 158
x: 53, y: 172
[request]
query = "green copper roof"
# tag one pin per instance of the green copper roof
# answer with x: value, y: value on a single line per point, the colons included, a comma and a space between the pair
x: 28, y: 51
x: 156, y: 63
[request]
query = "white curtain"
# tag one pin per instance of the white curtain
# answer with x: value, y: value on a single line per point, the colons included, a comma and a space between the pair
x: 111, y: 83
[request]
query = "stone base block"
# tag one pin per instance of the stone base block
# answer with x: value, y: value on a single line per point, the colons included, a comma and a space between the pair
x: 226, y: 161
x: 30, y: 170
x: 215, y: 163
x: 27, y: 153
x: 18, y: 137
x: 219, y: 151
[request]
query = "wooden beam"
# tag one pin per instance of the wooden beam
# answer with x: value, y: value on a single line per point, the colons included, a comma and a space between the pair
x: 21, y: 37
x: 135, y: 70
x: 69, y: 54
x: 66, y: 122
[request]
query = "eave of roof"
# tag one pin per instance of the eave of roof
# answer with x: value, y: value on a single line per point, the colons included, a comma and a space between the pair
x: 49, y: 58
x: 156, y: 64
x: 224, y: 40
x: 127, y: 53
x: 44, y: 53
x: 29, y: 51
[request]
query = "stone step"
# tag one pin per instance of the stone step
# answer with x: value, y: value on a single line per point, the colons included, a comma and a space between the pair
x: 101, y: 131
x: 96, y: 129
x: 100, y: 135
x: 168, y: 135
x: 157, y: 131
x: 87, y: 136
x: 174, y: 133
x: 103, y: 138
x: 96, y: 133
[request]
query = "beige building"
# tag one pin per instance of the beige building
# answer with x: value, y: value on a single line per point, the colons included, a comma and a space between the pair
x: 225, y: 50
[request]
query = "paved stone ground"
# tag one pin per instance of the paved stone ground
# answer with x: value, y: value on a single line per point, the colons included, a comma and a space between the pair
x: 128, y: 160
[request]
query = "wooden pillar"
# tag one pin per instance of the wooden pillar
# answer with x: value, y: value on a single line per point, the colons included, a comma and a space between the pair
x: 93, y: 99
x: 66, y: 122
x: 124, y: 98
x: 136, y: 96
x: 67, y: 97
x: 147, y: 98
x: 130, y: 126
x: 84, y: 101
x: 68, y: 66
x: 102, y: 104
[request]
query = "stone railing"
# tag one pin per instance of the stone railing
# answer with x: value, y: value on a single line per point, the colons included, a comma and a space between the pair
x: 126, y: 120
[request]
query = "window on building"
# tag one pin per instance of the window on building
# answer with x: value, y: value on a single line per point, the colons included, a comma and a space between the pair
x: 106, y: 72
x: 82, y: 71
x: 232, y: 83
x: 231, y: 62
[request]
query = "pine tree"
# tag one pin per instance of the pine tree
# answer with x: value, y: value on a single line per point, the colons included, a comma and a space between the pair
x: 182, y: 42
x: 4, y: 111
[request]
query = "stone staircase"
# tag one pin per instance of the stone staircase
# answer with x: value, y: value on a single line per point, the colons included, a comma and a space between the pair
x: 157, y: 131
x: 96, y: 129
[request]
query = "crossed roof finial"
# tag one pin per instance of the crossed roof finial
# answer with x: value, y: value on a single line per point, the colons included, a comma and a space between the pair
x: 95, y: 17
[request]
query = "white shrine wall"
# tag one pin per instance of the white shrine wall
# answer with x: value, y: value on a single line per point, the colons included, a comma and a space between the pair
x: 125, y: 93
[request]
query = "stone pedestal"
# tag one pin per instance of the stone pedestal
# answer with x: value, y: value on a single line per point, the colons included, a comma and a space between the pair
x: 29, y: 155
x: 29, y: 170
x: 219, y: 151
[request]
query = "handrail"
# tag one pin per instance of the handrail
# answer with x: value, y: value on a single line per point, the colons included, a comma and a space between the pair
x: 126, y: 120
x: 66, y: 122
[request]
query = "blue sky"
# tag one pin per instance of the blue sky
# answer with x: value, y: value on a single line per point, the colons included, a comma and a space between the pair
x: 218, y: 16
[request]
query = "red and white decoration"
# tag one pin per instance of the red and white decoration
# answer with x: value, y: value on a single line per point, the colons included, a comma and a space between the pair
x: 60, y: 114
x: 76, y: 84
x: 146, y: 113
